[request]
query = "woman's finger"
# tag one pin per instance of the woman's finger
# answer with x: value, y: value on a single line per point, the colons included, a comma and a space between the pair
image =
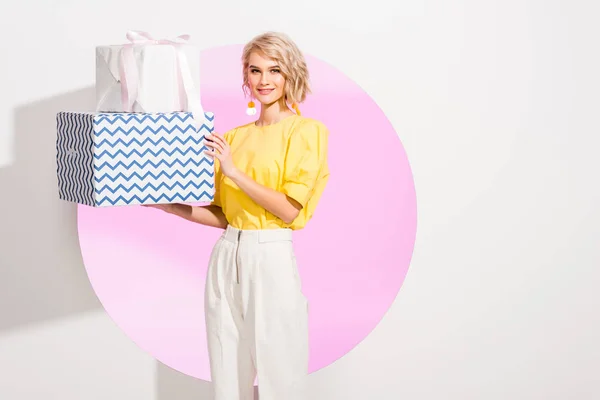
x: 216, y: 138
x: 214, y: 145
x: 213, y: 154
x: 217, y: 147
x: 221, y: 140
x: 212, y: 136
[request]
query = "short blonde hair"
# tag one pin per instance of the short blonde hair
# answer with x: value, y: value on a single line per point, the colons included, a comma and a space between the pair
x: 279, y: 47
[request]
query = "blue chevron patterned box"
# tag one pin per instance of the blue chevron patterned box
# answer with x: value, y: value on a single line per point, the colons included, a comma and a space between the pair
x: 116, y: 159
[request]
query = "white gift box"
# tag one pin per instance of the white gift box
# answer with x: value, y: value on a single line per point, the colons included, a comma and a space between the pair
x: 149, y: 76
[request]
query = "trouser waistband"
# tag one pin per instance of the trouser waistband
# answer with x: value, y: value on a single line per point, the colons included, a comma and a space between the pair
x: 259, y: 235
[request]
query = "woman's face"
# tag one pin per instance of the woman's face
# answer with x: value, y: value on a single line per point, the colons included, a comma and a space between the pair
x: 265, y: 78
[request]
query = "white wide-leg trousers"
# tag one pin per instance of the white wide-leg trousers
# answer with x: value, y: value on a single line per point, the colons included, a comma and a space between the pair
x: 256, y: 317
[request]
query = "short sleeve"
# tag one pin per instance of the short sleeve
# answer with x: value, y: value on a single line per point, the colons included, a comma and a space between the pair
x: 305, y: 160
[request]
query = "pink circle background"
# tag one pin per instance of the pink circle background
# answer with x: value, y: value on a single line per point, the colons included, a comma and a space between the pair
x: 148, y: 268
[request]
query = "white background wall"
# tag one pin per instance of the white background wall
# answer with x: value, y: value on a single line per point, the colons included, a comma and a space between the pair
x: 497, y: 105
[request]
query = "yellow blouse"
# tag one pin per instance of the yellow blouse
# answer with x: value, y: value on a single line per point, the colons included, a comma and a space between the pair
x: 289, y: 156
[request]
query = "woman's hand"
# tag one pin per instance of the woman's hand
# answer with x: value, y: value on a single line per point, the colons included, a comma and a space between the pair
x: 221, y: 150
x: 165, y: 207
x: 209, y: 215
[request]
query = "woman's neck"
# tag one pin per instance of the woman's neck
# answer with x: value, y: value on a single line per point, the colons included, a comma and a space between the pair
x: 273, y: 113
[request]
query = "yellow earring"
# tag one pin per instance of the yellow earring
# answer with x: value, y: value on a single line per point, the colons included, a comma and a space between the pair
x: 295, y: 107
x: 251, y: 110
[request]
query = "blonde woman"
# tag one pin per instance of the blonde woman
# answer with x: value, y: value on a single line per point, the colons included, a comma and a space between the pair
x: 270, y: 175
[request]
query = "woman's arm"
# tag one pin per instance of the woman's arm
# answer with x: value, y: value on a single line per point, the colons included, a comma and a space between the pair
x: 209, y: 215
x: 277, y: 203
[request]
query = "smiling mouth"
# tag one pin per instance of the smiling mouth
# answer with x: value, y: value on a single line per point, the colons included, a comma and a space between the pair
x: 264, y: 91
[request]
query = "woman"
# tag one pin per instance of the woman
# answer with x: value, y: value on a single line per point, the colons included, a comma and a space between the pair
x: 270, y: 175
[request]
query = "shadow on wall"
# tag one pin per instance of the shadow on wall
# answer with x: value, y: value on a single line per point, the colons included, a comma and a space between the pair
x: 172, y: 384
x: 42, y: 276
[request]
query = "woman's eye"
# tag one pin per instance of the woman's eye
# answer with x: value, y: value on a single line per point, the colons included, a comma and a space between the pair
x: 254, y: 71
x: 275, y: 71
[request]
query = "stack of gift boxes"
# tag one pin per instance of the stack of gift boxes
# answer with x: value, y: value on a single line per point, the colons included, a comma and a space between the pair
x: 143, y: 144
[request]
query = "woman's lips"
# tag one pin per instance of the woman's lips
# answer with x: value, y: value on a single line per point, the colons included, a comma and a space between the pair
x: 264, y: 91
